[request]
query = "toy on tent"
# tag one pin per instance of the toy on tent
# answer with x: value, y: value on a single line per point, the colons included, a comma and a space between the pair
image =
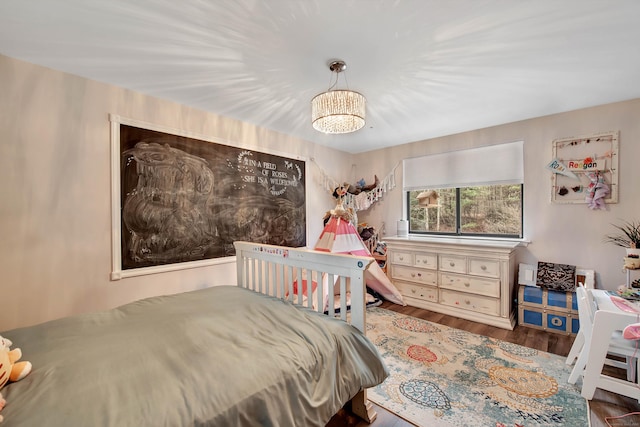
x: 340, y: 236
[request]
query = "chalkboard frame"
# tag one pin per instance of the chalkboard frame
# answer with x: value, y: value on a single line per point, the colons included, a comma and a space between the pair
x: 264, y: 188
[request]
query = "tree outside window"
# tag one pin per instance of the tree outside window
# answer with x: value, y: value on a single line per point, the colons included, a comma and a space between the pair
x: 491, y: 210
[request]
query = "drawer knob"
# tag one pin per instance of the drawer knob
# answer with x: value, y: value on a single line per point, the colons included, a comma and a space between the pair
x: 483, y: 267
x: 467, y: 302
x: 413, y: 274
x: 452, y: 264
x: 413, y: 291
x: 401, y: 258
x: 419, y: 274
x: 467, y: 284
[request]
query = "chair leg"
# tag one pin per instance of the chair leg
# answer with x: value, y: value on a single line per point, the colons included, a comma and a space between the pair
x: 637, y: 378
x: 631, y: 368
x: 578, y: 343
x: 578, y: 369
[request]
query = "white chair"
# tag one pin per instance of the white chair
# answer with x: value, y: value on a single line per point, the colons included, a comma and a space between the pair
x: 578, y: 343
x: 576, y: 348
x: 596, y: 343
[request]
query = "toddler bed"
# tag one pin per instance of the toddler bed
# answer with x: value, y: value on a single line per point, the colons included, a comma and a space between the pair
x: 223, y: 356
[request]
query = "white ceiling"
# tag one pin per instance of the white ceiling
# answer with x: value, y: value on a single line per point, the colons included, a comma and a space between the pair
x: 428, y: 68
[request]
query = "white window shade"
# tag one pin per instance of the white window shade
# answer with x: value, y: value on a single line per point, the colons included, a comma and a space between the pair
x: 491, y: 165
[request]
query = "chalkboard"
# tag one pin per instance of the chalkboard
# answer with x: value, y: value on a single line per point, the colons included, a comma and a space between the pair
x: 184, y: 199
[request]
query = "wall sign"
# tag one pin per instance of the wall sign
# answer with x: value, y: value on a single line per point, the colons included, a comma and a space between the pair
x: 181, y: 202
x: 580, y: 164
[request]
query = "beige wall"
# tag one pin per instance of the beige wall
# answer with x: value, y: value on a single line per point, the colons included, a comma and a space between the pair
x: 55, y: 183
x: 561, y: 233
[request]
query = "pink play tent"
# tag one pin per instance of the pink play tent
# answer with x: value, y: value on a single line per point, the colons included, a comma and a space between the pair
x: 340, y: 236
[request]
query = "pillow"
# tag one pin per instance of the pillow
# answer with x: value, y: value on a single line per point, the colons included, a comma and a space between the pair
x: 556, y: 277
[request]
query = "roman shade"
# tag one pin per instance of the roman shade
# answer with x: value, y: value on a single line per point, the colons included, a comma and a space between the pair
x: 490, y: 165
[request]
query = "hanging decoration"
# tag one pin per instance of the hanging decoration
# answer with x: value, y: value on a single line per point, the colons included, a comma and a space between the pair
x: 361, y: 196
x: 597, y: 191
x: 585, y: 170
x: 557, y: 166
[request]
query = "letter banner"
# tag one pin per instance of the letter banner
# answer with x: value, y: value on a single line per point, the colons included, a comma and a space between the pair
x: 587, y: 164
x: 558, y: 167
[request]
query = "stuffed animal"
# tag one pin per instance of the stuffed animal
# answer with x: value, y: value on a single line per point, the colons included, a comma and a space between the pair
x: 597, y: 191
x: 10, y: 368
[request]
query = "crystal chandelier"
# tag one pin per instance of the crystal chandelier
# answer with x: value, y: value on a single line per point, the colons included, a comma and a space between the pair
x: 338, y: 111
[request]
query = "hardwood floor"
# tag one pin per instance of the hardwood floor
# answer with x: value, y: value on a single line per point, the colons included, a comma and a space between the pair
x: 603, y: 405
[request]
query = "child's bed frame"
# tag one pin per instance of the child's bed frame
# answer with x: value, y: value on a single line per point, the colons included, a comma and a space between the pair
x: 271, y: 270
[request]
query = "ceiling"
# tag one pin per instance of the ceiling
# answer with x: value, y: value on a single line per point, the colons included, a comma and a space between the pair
x: 428, y: 68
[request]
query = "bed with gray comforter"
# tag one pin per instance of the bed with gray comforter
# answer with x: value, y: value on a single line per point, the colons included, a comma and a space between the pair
x: 221, y: 356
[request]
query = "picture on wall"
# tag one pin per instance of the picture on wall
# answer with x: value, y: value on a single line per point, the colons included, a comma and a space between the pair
x: 184, y: 200
x: 585, y: 170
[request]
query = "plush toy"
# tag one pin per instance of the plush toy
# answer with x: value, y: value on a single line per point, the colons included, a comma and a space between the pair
x: 597, y: 191
x: 10, y: 368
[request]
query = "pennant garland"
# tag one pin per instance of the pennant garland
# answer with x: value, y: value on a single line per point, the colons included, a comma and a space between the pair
x: 558, y: 167
x: 362, y: 201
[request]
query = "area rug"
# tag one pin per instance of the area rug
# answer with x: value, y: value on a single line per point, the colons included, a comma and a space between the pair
x: 441, y: 376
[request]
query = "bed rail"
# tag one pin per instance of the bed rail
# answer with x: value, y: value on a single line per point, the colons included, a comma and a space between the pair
x: 273, y: 270
x: 278, y: 271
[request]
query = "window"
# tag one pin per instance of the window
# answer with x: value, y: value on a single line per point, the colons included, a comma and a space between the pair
x: 468, y: 192
x: 490, y: 210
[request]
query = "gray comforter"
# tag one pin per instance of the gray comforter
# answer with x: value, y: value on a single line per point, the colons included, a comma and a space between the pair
x: 222, y: 356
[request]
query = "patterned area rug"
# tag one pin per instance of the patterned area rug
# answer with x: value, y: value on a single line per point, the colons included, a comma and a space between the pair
x: 441, y: 376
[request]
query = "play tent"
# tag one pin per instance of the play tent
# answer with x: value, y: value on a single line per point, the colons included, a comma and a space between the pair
x: 340, y: 236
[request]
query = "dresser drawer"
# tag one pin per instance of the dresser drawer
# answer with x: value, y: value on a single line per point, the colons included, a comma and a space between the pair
x: 404, y: 258
x: 471, y: 302
x: 426, y: 293
x: 455, y: 264
x: 413, y: 274
x: 476, y: 285
x: 426, y: 260
x: 484, y: 267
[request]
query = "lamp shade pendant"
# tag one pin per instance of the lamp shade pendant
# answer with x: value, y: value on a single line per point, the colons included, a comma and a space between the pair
x: 338, y: 111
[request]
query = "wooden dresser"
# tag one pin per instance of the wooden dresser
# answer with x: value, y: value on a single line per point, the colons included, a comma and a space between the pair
x: 470, y: 279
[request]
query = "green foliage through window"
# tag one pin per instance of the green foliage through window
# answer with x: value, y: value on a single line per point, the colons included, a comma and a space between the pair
x: 493, y: 210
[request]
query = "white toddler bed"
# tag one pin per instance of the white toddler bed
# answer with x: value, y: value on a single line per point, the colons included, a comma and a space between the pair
x: 220, y: 356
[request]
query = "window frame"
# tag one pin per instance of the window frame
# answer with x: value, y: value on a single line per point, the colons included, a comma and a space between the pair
x: 459, y: 232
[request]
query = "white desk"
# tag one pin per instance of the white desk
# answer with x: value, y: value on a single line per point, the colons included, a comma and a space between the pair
x: 608, y: 318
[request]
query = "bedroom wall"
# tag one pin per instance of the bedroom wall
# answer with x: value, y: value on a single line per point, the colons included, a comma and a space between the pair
x: 561, y: 233
x: 55, y: 185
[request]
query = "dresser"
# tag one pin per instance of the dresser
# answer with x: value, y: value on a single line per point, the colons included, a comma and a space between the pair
x: 470, y: 279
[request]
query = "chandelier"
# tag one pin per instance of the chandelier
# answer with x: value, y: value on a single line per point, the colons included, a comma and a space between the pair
x: 338, y: 111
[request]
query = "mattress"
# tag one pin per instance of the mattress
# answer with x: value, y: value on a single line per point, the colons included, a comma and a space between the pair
x: 221, y: 356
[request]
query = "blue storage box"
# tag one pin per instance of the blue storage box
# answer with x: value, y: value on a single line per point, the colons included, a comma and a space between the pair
x: 553, y: 311
x: 544, y: 298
